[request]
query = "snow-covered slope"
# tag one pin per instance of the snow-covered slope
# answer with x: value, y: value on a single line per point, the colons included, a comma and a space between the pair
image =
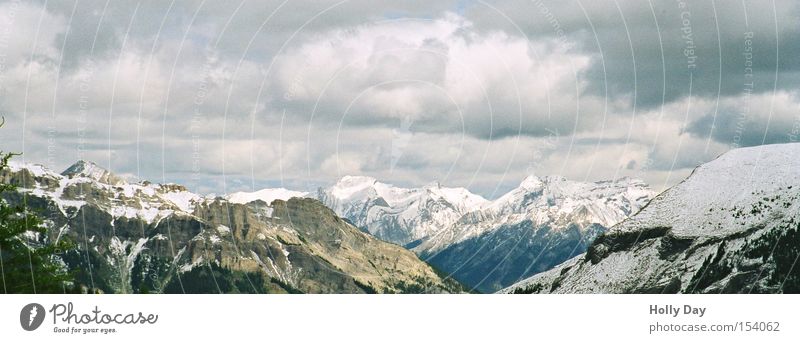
x: 735, y: 180
x: 88, y: 170
x: 731, y: 226
x: 395, y: 214
x: 434, y: 217
x: 87, y: 182
x: 553, y: 201
x: 532, y: 228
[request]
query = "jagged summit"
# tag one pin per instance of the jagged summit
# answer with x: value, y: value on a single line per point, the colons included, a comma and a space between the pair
x: 91, y: 170
x: 82, y: 167
x: 531, y: 182
x: 549, y: 198
x: 396, y: 214
x: 349, y: 186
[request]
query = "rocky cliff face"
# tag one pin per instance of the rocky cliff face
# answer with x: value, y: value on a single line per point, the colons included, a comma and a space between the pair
x: 161, y: 238
x: 733, y: 226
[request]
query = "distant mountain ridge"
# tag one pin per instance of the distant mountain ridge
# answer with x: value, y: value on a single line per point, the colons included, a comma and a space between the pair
x: 532, y: 228
x: 489, y: 244
x: 552, y: 200
x: 395, y: 214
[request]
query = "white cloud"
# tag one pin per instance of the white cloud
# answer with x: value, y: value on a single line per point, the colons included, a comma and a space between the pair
x: 28, y: 31
x: 439, y: 73
x: 407, y: 100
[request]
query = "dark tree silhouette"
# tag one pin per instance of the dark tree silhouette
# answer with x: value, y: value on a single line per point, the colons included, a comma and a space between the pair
x: 28, y: 265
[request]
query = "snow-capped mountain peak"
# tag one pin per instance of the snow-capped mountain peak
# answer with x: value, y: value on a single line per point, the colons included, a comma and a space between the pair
x: 458, y: 196
x: 531, y: 182
x: 440, y: 216
x: 92, y: 171
x: 398, y: 214
x: 86, y: 183
x: 349, y: 186
x: 551, y: 201
x: 550, y: 197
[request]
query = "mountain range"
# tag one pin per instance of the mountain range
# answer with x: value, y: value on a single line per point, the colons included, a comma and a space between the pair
x: 487, y: 245
x: 731, y: 226
x: 144, y: 237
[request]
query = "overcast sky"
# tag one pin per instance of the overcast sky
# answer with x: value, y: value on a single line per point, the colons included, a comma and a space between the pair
x: 241, y: 95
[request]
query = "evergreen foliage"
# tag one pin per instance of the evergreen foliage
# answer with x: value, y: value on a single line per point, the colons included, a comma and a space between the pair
x: 28, y: 265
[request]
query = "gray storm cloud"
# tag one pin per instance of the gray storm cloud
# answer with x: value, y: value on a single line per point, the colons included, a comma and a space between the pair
x: 233, y: 96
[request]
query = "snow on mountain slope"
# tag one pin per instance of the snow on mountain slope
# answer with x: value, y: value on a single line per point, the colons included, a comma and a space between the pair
x: 553, y: 198
x: 485, y: 244
x: 735, y: 180
x: 267, y: 195
x: 459, y: 197
x: 731, y: 226
x: 395, y: 214
x: 433, y: 217
x: 84, y: 169
x: 553, y: 201
x: 87, y: 182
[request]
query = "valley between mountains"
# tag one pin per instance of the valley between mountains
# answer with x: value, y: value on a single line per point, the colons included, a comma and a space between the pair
x: 729, y: 227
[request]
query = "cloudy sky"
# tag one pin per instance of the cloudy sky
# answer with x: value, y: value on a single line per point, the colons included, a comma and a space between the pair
x: 241, y: 95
